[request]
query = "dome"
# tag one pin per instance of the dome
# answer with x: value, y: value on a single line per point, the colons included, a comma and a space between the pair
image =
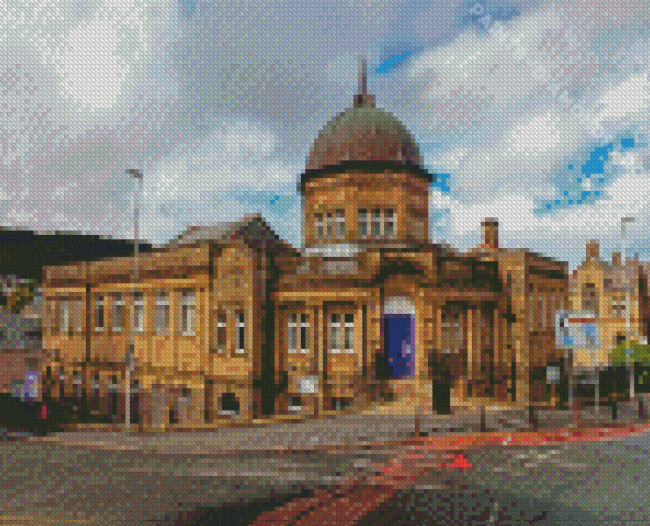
x: 364, y: 133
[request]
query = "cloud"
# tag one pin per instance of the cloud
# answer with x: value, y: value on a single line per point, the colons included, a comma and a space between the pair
x: 223, y: 100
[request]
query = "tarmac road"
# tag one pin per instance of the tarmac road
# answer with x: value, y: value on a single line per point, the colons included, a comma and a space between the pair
x: 558, y: 478
x: 99, y: 480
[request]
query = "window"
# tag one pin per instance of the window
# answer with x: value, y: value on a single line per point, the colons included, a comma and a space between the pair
x: 389, y: 223
x: 304, y: 334
x: 329, y: 226
x: 349, y: 333
x: 221, y: 332
x: 118, y: 309
x: 382, y: 223
x: 64, y: 316
x: 138, y: 312
x: 295, y: 403
x: 375, y: 223
x: 162, y: 312
x: 240, y: 333
x: 99, y: 314
x: 188, y: 314
x: 229, y: 404
x: 335, y: 333
x: 363, y: 222
x: 298, y: 333
x: 589, y: 298
x: 318, y: 226
x: 77, y: 315
x: 340, y: 224
x: 292, y: 333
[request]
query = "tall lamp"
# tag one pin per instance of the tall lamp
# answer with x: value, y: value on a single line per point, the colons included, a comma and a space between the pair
x: 130, y: 354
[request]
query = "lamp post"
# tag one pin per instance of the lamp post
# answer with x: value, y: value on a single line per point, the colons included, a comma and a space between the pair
x: 627, y: 301
x: 136, y: 174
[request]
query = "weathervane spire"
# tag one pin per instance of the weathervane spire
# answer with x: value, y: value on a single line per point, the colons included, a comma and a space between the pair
x: 363, y: 99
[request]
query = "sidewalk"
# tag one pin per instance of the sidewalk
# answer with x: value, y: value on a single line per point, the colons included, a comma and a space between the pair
x: 344, y: 430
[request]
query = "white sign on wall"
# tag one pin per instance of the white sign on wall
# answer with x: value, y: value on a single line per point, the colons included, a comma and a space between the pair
x: 576, y: 329
x: 308, y: 385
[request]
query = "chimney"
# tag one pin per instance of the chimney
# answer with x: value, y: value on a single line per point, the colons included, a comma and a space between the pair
x: 490, y: 234
x: 593, y: 252
x: 616, y: 259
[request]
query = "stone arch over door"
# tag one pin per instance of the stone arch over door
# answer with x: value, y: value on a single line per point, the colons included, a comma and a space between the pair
x: 399, y: 337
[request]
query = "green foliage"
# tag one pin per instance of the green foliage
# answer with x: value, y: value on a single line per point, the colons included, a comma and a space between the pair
x: 630, y: 352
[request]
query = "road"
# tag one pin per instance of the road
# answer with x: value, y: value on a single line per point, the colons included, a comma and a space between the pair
x: 592, y: 477
x: 482, y: 479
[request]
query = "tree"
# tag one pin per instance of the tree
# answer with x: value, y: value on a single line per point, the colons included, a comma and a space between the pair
x: 631, y: 354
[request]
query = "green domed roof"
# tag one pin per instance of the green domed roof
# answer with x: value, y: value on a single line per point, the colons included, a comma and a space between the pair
x: 364, y: 133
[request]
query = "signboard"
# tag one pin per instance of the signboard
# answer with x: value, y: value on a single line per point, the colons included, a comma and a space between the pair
x: 576, y: 329
x: 553, y: 374
x: 308, y: 385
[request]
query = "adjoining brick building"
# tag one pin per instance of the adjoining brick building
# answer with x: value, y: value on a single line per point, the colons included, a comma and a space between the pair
x: 232, y: 323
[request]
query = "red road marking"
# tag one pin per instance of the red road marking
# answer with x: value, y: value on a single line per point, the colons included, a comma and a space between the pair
x: 346, y: 506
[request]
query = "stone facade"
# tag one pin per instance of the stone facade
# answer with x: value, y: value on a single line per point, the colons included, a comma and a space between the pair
x: 232, y: 324
x: 617, y: 293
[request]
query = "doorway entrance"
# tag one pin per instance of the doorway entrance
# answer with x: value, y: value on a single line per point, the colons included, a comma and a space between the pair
x: 399, y: 337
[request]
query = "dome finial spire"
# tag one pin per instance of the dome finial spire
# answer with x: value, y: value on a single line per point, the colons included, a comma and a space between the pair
x: 363, y: 76
x: 363, y: 99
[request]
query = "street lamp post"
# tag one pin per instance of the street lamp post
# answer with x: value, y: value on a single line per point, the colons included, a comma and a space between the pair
x: 136, y: 174
x: 628, y: 298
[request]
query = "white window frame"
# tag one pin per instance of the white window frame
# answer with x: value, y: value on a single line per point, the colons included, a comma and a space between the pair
x: 64, y: 316
x: 294, y: 408
x: 348, y: 336
x: 162, y: 305
x: 319, y: 231
x: 240, y: 325
x: 99, y: 308
x: 375, y: 221
x: 304, y: 334
x: 329, y: 225
x: 138, y: 312
x: 292, y: 334
x: 295, y: 339
x: 362, y: 219
x: 389, y: 220
x: 118, y: 312
x: 77, y: 316
x: 188, y: 313
x: 334, y: 327
x: 222, y: 328
x: 340, y: 224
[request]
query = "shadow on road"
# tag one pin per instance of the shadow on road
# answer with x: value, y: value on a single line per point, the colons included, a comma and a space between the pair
x: 237, y: 514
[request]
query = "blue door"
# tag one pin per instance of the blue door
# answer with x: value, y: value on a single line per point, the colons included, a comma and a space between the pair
x: 399, y: 345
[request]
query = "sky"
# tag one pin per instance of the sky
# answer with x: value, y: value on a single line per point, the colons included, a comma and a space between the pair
x: 532, y: 112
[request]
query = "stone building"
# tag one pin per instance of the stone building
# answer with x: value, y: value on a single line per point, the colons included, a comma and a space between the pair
x: 233, y: 324
x: 202, y: 342
x: 536, y: 288
x: 617, y: 293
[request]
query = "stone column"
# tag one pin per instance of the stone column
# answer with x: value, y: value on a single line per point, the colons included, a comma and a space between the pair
x: 319, y: 350
x: 469, y: 331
